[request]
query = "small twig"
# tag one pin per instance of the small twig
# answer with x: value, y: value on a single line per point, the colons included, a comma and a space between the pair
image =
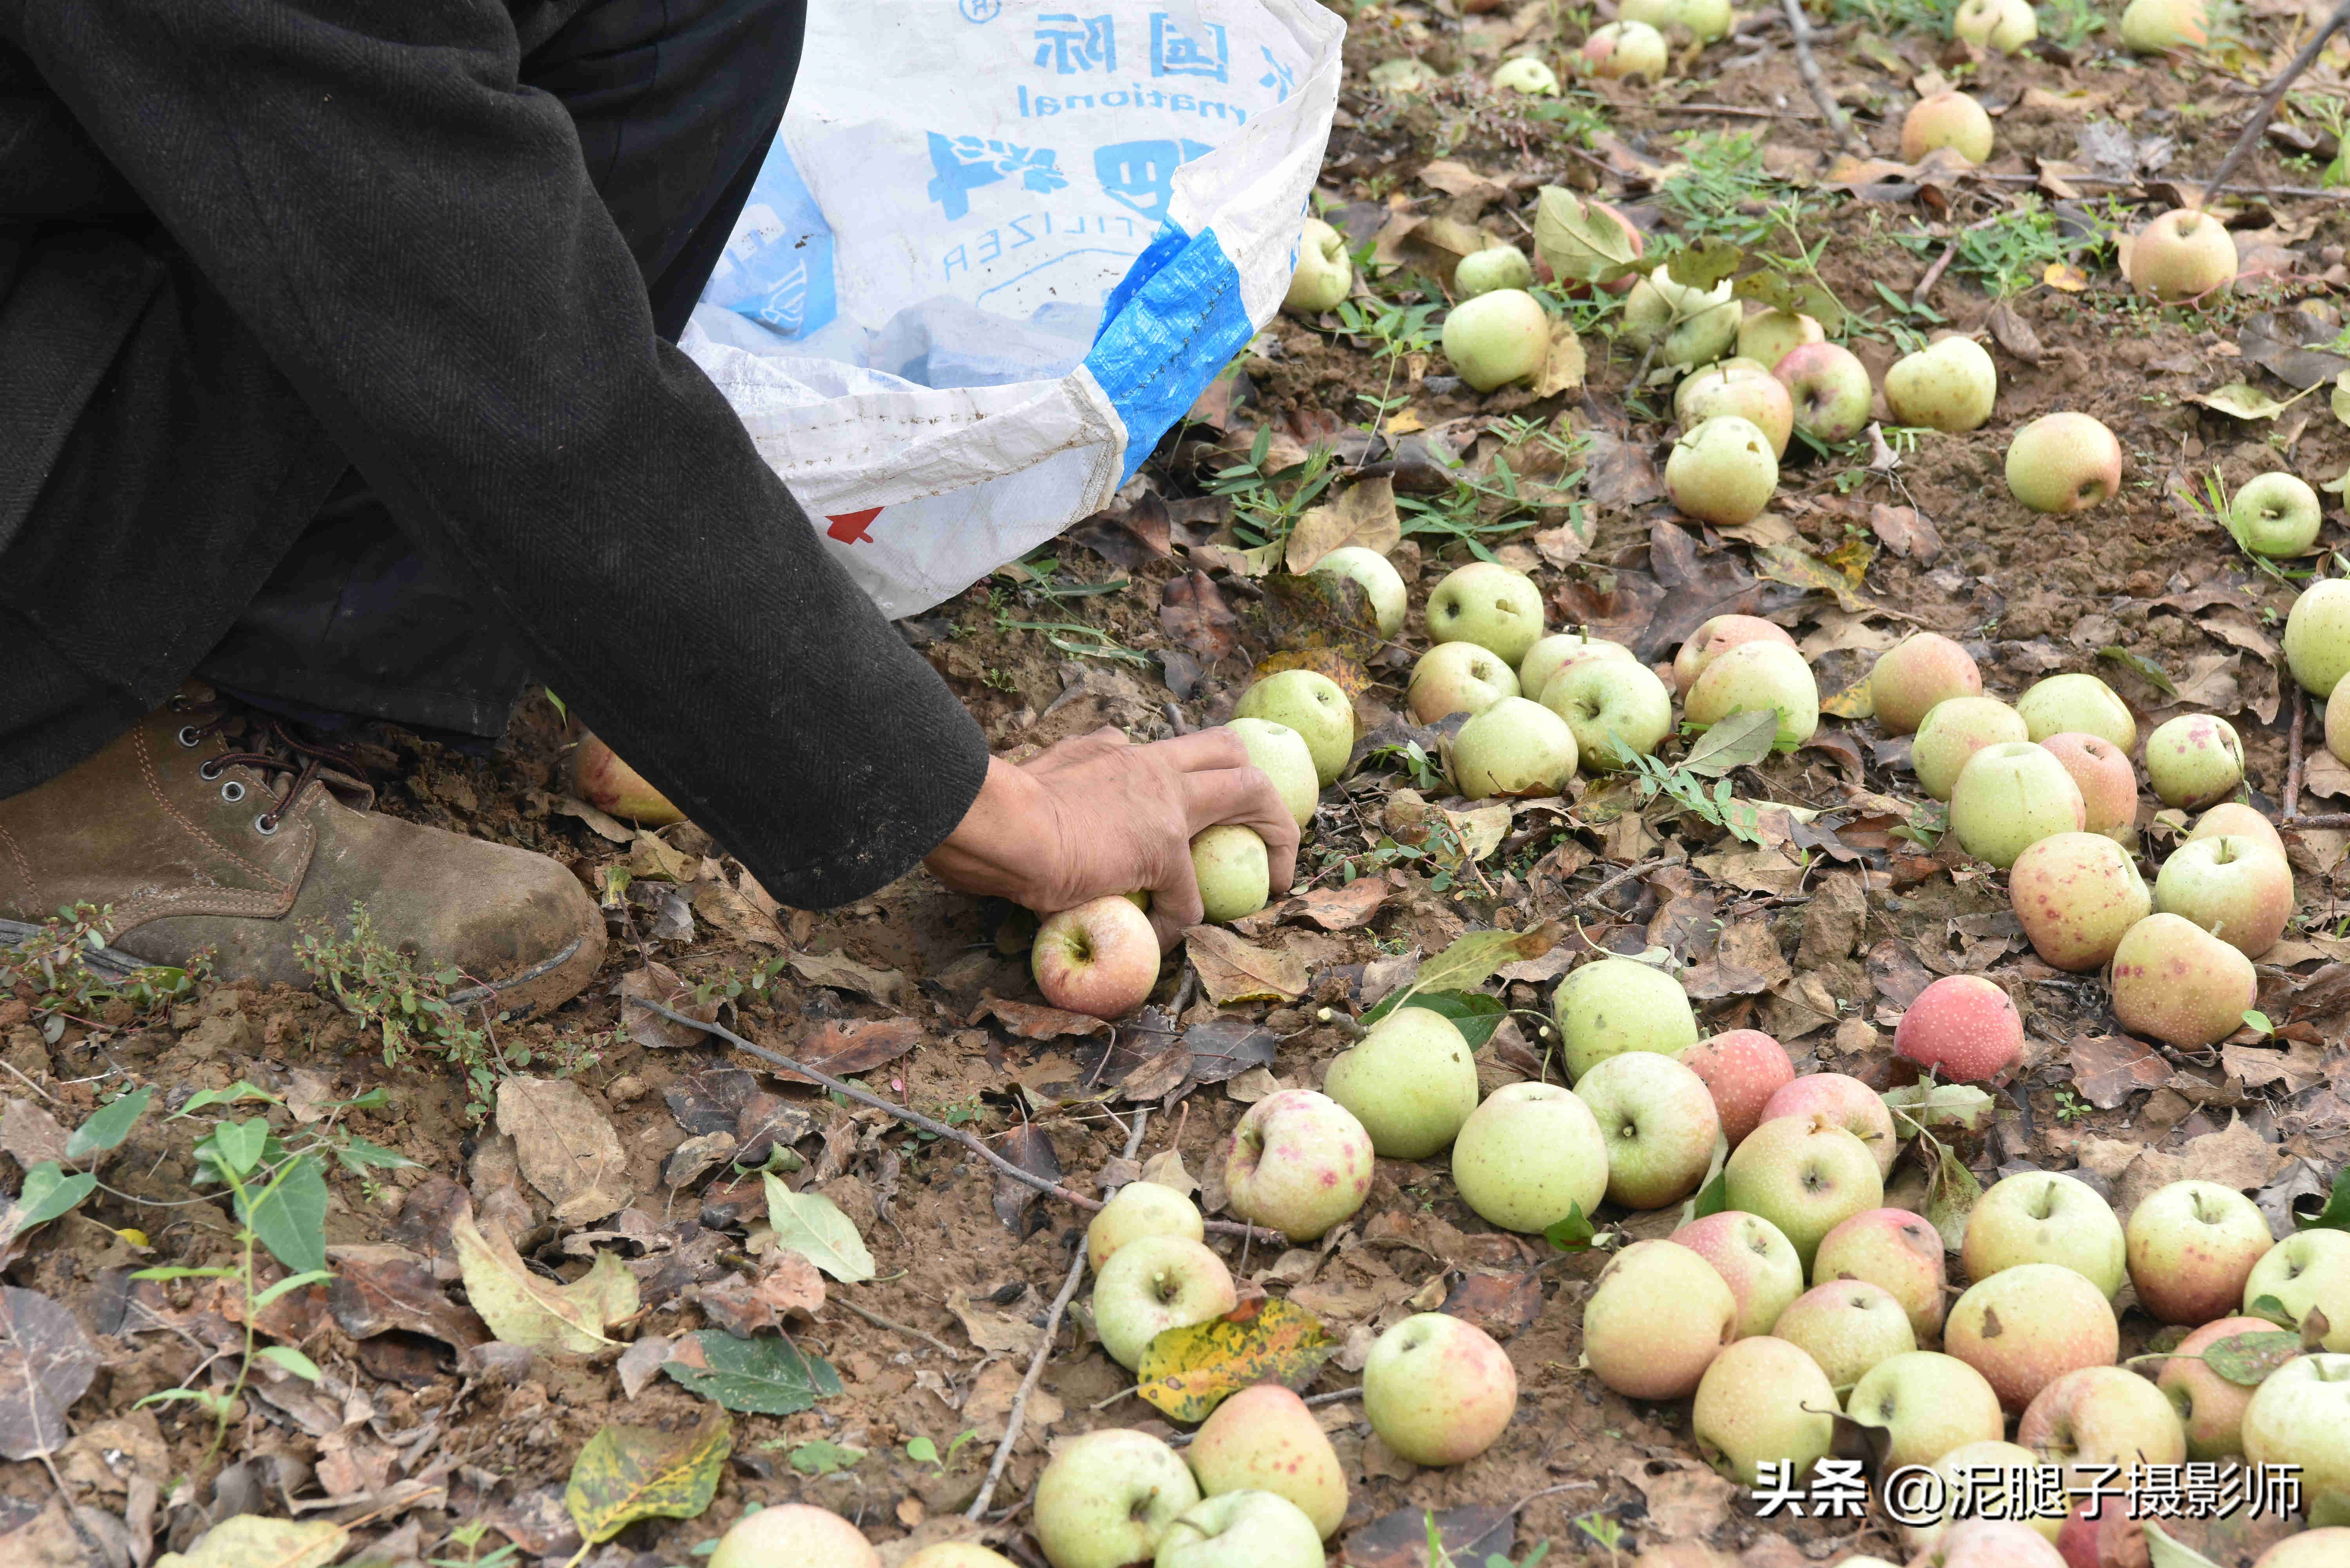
x: 1799, y: 26
x: 37, y: 1089
x: 894, y: 1326
x: 2265, y: 111
x: 1734, y: 111
x: 1617, y: 879
x: 2292, y: 755
x: 1336, y: 1396
x: 1943, y: 262
x: 2323, y: 819
x: 2314, y: 193
x: 1012, y: 1422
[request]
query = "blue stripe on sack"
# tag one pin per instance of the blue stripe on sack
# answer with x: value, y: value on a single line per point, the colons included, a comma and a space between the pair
x: 1173, y: 321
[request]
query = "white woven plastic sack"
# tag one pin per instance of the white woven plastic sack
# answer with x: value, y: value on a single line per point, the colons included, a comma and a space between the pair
x: 999, y: 249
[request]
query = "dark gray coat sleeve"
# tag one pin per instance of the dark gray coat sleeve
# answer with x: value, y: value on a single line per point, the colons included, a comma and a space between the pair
x: 413, y: 237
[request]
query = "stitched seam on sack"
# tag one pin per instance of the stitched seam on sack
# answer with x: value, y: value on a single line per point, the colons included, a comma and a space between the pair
x: 155, y: 786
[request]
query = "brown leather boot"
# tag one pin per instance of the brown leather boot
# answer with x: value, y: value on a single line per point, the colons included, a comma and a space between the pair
x: 204, y: 828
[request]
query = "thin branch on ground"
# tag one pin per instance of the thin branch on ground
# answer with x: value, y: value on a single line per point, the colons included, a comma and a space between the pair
x: 1799, y: 26
x: 1943, y: 262
x: 1609, y: 884
x: 894, y: 1326
x: 2328, y: 819
x: 2292, y: 755
x: 2265, y: 111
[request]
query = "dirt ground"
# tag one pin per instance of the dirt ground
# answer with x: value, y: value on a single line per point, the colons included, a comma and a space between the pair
x: 1819, y: 927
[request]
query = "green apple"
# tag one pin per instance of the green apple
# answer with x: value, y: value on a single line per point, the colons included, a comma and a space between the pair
x: 1458, y: 678
x: 1754, y: 1260
x: 1769, y: 336
x: 1495, y: 266
x: 2025, y: 1327
x: 1556, y: 652
x: 1763, y: 1401
x: 1488, y: 604
x: 1988, y: 1470
x: 795, y: 1532
x: 2308, y: 1268
x: 1411, y: 1081
x: 1616, y: 1005
x: 1743, y: 387
x: 1658, y: 1120
x: 1324, y: 274
x: 2175, y: 980
x: 1280, y: 754
x: 1381, y: 584
x: 2077, y: 705
x: 1107, y: 1498
x: 2043, y: 1216
x: 1657, y: 1318
x: 2192, y: 1246
x: 1512, y: 748
x: 1913, y: 675
x: 1621, y: 49
x: 1806, y: 1176
x: 2276, y: 513
x: 1617, y: 709
x: 1437, y: 1389
x: 1141, y: 1209
x: 2006, y: 25
x: 2238, y: 889
x: 1530, y: 1156
x: 1154, y: 1283
x: 1497, y: 339
x: 1241, y: 1529
x: 1313, y: 705
x: 2325, y: 1548
x: 1722, y: 472
x: 1679, y: 324
x: 2300, y: 1418
x: 1716, y: 636
x: 1751, y: 678
x: 1949, y: 385
x: 2077, y: 895
x: 1707, y: 19
x: 1848, y: 1327
x: 2093, y: 1417
x: 2238, y: 820
x: 1529, y: 76
x: 2063, y: 463
x: 1266, y: 1439
x: 1234, y: 877
x: 2009, y: 797
x: 1952, y: 119
x: 1929, y: 1404
x: 2194, y: 760
x: 1954, y: 730
x: 2183, y: 254
x: 2318, y: 636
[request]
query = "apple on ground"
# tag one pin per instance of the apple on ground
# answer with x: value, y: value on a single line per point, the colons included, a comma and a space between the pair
x: 1742, y: 1068
x: 1754, y: 1260
x: 2309, y: 1269
x: 1848, y: 1327
x: 1843, y: 1100
x: 2276, y: 514
x: 1497, y: 339
x: 2236, y: 889
x: 1950, y: 384
x: 2107, y: 782
x: 2318, y: 636
x: 1706, y: 19
x: 2311, y: 1549
x: 1488, y: 604
x: 1403, y: 74
x: 1411, y: 1081
x: 1101, y: 959
x: 1281, y: 754
x: 1313, y: 705
x: 1763, y: 1401
x: 1770, y: 334
x: 2210, y: 1408
x: 1743, y: 387
x: 1514, y: 748
x: 2063, y: 463
x: 2095, y: 1416
x: 795, y: 1532
x: 1458, y: 678
x: 1154, y: 1283
x: 2183, y: 254
x: 1529, y: 1156
x: 2301, y: 1416
x: 1381, y: 584
x: 2194, y: 760
x: 1141, y: 1209
x: 1657, y: 1121
x: 2077, y: 705
x: 1299, y: 1162
x: 2241, y: 820
x: 2192, y: 1246
x: 2045, y: 1217
x: 2337, y: 727
x: 1682, y: 326
x: 1557, y: 652
x: 1623, y: 49
x: 2176, y: 982
x: 1437, y: 1389
x: 2009, y: 797
x: 1952, y: 731
x: 1897, y: 1250
x: 1921, y: 669
x: 1266, y: 1439
x: 1806, y: 1176
x: 1525, y: 75
x: 1929, y: 1404
x: 1992, y: 1543
x: 1717, y: 636
x: 1241, y: 1529
x: 1616, y: 709
x: 2100, y: 1531
x: 1723, y: 471
x: 1830, y: 389
x: 1617, y: 1004
x: 1495, y: 266
x: 601, y: 778
x: 1106, y: 1498
x: 2077, y: 895
x: 2006, y: 25
x: 1657, y: 1316
x: 944, y: 1555
x: 1973, y: 1473
x: 1324, y: 275
x: 1751, y: 678
x: 1952, y: 119
x: 2025, y: 1327
x: 1235, y: 873
x: 1962, y: 1027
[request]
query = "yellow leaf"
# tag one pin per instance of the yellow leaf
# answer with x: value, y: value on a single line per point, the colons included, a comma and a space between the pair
x: 2066, y: 276
x: 1187, y: 1372
x: 523, y: 1309
x: 249, y: 1541
x: 1403, y: 421
x: 1563, y: 369
x: 1348, y: 676
x: 1791, y: 565
x: 1854, y: 702
x: 628, y: 1473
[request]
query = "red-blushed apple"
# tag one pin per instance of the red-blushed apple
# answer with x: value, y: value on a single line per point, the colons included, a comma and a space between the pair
x: 1921, y: 669
x: 1990, y: 1477
x: 2157, y: 26
x: 1141, y: 1209
x: 1843, y: 1100
x: 1952, y: 119
x: 948, y: 1554
x: 1514, y: 748
x: 1830, y: 389
x: 1751, y: 678
x: 1411, y: 1081
x: 2276, y: 514
x: 1312, y: 704
x: 2318, y: 636
x: 2006, y: 25
x: 1954, y: 730
x: 2045, y: 1217
x: 795, y: 1532
x: 1847, y: 1327
x: 1757, y: 1262
x: 2309, y: 1269
x: 1717, y: 636
x: 1106, y: 1498
x: 2327, y: 1548
x: 2300, y: 1418
x: 601, y: 778
x: 1769, y: 336
x: 1763, y: 1401
x: 2194, y: 760
x: 2094, y: 1416
x: 2011, y: 796
x: 1743, y: 387
x: 1657, y: 1316
x: 1438, y: 1390
x: 1897, y: 1250
x: 1266, y: 1439
x: 1530, y: 1156
x: 1950, y: 385
x: 2178, y: 983
x: 2234, y: 817
x: 1324, y: 274
x: 2099, y: 1531
x: 1990, y: 1544
x: 1964, y: 1028
x: 1242, y: 1529
x: 1929, y: 1404
x: 2107, y: 782
x: 1154, y: 1283
x: 1806, y: 1176
x: 2077, y: 704
x: 2238, y: 889
x: 1496, y: 338
x: 1458, y: 678
x: 2183, y: 254
x: 1623, y: 49
x: 1101, y: 959
x: 1297, y: 1161
x: 1234, y: 872
x: 1615, y: 708
x: 1482, y: 271
x: 1556, y: 651
x: 2210, y: 1408
x: 2025, y: 1327
x: 1488, y: 604
x: 1722, y: 471
x: 2075, y: 895
x: 1742, y: 1068
x: 2063, y: 463
x: 1658, y: 1120
x: 1617, y: 1004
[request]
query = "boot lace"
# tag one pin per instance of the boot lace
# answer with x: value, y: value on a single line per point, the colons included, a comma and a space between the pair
x: 266, y: 745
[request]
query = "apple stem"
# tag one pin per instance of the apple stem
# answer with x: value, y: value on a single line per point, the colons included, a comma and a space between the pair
x: 1340, y: 1021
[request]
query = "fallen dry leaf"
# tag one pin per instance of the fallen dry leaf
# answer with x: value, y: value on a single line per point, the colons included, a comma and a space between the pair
x: 842, y: 1048
x: 1194, y: 614
x: 1233, y: 971
x: 566, y: 1146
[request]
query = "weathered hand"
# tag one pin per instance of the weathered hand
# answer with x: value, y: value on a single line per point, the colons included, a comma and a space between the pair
x: 1099, y: 814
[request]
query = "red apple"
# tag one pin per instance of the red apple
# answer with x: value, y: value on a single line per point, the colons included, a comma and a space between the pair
x: 1896, y: 1249
x: 2109, y: 784
x: 1845, y: 1100
x: 610, y: 785
x: 1742, y: 1068
x: 2192, y: 1246
x: 1718, y: 636
x: 2077, y: 895
x: 1100, y: 958
x: 2025, y: 1327
x: 2210, y: 1407
x: 1754, y: 1260
x: 2095, y: 1416
x: 1917, y: 672
x: 1964, y: 1027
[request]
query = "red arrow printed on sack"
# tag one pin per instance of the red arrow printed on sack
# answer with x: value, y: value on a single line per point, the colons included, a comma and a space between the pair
x: 848, y: 527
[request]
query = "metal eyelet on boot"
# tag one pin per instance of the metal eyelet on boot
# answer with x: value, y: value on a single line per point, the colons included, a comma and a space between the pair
x: 232, y: 792
x: 209, y: 771
x: 266, y: 825
x: 189, y: 738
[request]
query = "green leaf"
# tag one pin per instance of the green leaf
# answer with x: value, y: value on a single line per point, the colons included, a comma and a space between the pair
x: 1469, y: 962
x: 1572, y: 1235
x: 628, y: 1473
x: 48, y: 1192
x: 290, y: 1216
x: 1799, y: 296
x: 1578, y: 242
x: 1712, y: 1195
x: 2155, y: 676
x: 823, y: 1458
x: 922, y: 1451
x: 235, y: 1148
x: 1740, y: 741
x: 291, y: 1359
x: 240, y: 1090
x: 1950, y: 1195
x: 2162, y: 1552
x: 1917, y: 1106
x: 291, y: 1283
x: 2271, y: 1308
x: 812, y: 1226
x: 2335, y: 1216
x: 1473, y: 1013
x: 1704, y: 264
x: 108, y: 1124
x: 766, y: 1375
x: 2247, y: 1359
x: 249, y: 1541
x: 2255, y: 1019
x: 358, y: 1154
